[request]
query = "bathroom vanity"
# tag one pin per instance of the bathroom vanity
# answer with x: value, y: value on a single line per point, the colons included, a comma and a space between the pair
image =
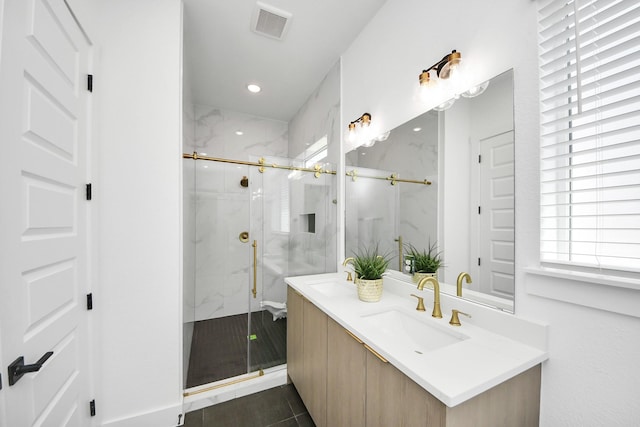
x: 382, y: 364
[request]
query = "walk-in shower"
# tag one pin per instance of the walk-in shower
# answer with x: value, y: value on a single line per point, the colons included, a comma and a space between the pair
x: 248, y: 225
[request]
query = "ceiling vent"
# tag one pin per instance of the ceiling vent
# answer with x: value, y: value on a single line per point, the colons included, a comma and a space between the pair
x: 270, y: 21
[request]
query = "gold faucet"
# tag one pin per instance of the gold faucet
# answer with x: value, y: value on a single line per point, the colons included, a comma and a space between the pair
x: 459, y: 282
x: 344, y: 264
x: 436, y: 294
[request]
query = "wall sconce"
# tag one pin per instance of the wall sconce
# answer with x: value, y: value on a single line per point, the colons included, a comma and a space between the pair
x: 450, y: 68
x: 361, y: 134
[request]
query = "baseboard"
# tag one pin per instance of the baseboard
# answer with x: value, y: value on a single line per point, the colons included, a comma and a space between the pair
x: 170, y: 416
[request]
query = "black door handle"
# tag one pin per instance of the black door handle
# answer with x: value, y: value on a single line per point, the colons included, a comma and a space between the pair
x: 17, y: 369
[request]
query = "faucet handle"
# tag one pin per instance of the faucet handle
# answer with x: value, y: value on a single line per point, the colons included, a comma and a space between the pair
x: 420, y: 306
x: 455, y: 320
x: 349, y: 276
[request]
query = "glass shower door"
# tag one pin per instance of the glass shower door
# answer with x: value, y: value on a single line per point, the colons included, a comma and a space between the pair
x: 269, y: 208
x: 293, y: 217
x: 219, y: 346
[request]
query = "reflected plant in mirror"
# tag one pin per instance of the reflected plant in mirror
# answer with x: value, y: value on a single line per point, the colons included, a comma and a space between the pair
x: 466, y: 154
x: 423, y: 262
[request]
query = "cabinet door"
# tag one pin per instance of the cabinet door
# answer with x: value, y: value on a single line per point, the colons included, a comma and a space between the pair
x: 314, y: 379
x: 294, y: 335
x: 346, y: 378
x: 384, y: 393
x: 421, y: 408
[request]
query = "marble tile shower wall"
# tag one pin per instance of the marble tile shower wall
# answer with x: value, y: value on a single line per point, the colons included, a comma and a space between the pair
x: 223, y: 263
x: 312, y: 247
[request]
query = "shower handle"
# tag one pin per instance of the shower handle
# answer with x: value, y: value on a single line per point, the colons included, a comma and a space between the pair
x: 254, y: 291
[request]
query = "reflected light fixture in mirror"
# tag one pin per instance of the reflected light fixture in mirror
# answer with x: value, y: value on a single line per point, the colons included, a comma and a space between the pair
x: 360, y: 134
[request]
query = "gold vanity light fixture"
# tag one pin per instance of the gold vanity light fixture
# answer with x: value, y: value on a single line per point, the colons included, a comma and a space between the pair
x: 443, y: 69
x: 355, y: 134
x: 449, y: 68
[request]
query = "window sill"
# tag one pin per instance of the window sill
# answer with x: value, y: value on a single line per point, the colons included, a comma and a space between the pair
x: 614, y: 294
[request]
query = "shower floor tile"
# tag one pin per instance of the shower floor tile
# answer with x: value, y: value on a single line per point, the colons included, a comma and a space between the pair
x: 219, y: 347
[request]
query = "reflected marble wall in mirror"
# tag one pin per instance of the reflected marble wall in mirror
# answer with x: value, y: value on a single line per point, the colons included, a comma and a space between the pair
x: 466, y: 152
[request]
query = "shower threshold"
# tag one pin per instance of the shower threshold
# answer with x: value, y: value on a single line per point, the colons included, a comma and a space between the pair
x: 231, y: 388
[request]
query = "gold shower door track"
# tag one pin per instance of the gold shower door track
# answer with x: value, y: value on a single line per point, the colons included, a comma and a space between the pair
x: 261, y: 164
x: 258, y: 374
x: 317, y: 169
x: 393, y: 178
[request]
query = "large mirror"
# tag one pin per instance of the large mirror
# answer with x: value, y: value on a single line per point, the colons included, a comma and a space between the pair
x: 443, y: 179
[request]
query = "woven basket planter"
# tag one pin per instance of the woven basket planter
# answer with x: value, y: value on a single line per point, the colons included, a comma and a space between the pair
x: 369, y: 290
x: 419, y: 276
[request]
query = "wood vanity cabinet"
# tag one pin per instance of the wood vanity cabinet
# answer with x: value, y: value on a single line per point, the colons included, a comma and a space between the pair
x: 346, y: 378
x: 307, y: 351
x: 342, y: 383
x: 294, y: 336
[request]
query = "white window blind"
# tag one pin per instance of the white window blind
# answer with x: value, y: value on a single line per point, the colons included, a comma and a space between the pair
x: 590, y: 133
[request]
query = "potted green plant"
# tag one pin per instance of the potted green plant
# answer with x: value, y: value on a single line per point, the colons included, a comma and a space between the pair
x: 369, y: 266
x: 426, y: 262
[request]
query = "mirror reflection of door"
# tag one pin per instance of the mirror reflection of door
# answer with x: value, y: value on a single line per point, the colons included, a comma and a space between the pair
x: 495, y: 221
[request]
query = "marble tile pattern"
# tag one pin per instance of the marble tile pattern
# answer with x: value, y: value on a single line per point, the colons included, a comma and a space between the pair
x: 269, y: 209
x: 319, y: 116
x: 215, y: 134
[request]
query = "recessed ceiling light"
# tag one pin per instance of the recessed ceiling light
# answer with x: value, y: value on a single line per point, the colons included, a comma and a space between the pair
x: 417, y: 129
x: 239, y: 133
x: 253, y: 88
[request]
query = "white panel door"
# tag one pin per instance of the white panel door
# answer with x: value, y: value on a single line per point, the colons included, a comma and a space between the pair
x: 44, y: 107
x: 496, y: 225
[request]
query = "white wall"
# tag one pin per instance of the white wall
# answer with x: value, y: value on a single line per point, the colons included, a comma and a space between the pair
x: 138, y: 196
x: 592, y: 377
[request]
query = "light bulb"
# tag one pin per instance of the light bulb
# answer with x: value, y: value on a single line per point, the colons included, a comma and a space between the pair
x: 445, y: 105
x: 369, y: 143
x: 475, y: 90
x: 351, y: 133
x: 383, y: 136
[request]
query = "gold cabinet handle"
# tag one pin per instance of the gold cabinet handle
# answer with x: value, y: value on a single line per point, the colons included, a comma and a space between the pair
x: 375, y: 353
x: 254, y: 291
x: 354, y: 337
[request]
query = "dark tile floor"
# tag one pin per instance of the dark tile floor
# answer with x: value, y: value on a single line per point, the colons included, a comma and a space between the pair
x: 219, y: 347
x: 277, y: 407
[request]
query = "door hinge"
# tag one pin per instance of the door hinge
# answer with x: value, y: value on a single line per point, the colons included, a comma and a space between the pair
x: 92, y: 408
x: 478, y: 261
x: 90, y: 82
x: 479, y: 158
x: 89, y: 301
x: 88, y: 191
x: 0, y: 381
x: 478, y: 210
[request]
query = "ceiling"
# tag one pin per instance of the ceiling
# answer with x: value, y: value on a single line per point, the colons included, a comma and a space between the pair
x: 223, y: 54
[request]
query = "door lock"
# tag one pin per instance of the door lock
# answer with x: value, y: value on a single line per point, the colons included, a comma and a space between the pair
x: 17, y: 369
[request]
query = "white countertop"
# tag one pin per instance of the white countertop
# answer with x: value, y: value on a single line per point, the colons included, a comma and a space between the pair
x: 495, y: 346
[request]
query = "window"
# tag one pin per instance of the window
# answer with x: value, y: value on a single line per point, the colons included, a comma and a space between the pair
x: 590, y: 134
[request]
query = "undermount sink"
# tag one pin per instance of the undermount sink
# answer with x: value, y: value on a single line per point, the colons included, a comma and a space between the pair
x: 406, y: 331
x: 333, y: 288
